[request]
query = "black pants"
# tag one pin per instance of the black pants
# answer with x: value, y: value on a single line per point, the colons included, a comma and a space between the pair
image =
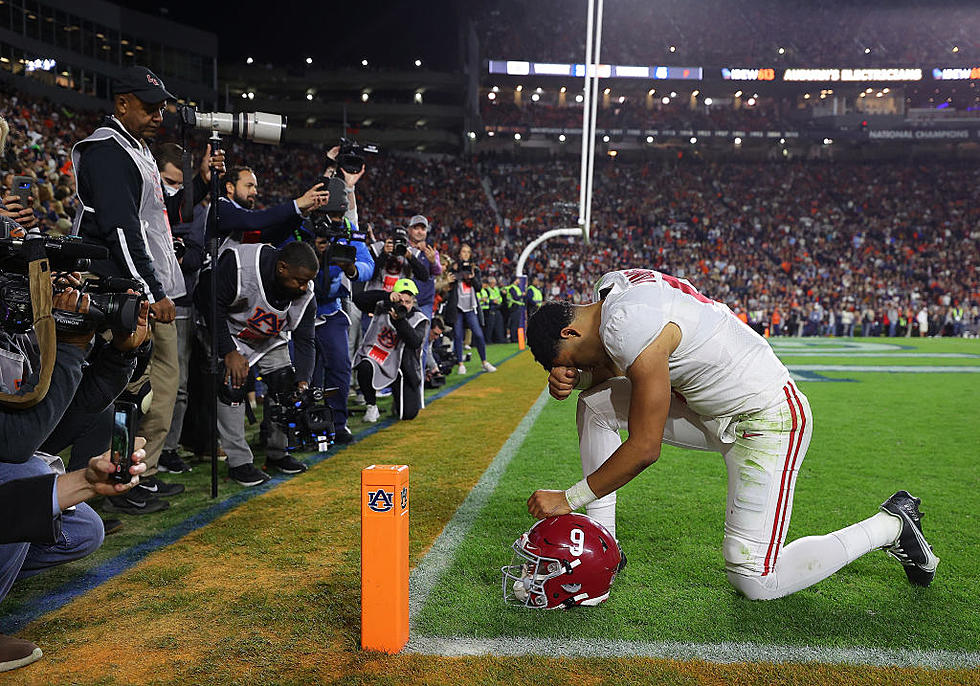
x: 406, y: 389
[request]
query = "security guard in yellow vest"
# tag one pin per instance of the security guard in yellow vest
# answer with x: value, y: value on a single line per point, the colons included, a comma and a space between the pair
x: 494, y: 318
x: 534, y: 297
x: 514, y: 296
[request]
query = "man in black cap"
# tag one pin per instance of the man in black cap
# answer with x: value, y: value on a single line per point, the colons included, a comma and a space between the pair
x: 120, y: 191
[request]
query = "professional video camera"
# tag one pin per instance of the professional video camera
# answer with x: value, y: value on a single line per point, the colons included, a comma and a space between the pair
x: 304, y: 416
x: 260, y: 127
x: 464, y: 272
x: 351, y: 156
x: 330, y: 223
x: 110, y: 305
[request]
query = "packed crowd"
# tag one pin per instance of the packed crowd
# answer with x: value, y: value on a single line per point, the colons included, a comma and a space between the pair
x: 633, y: 113
x: 740, y: 33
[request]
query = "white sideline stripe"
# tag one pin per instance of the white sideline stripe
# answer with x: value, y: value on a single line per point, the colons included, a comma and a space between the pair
x: 434, y: 565
x: 786, y: 352
x: 429, y: 571
x: 723, y: 653
x: 925, y: 369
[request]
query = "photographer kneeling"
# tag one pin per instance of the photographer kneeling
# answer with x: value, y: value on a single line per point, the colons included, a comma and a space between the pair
x: 382, y: 359
x: 264, y: 298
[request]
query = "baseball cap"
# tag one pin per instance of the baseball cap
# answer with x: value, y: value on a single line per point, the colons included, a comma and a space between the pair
x: 142, y: 83
x: 406, y: 286
x: 418, y: 219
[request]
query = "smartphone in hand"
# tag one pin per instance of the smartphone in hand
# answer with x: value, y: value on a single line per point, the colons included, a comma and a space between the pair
x: 123, y: 440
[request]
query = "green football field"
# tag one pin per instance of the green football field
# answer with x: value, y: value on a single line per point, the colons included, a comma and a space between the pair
x: 888, y: 415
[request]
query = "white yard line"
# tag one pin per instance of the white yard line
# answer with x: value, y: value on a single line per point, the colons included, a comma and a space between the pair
x: 907, y: 369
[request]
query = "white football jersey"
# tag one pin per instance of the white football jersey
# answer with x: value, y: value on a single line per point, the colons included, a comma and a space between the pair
x: 721, y: 367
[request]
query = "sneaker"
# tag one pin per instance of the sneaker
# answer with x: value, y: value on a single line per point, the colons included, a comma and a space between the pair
x: 170, y: 462
x: 911, y: 548
x: 384, y: 392
x: 111, y: 526
x: 154, y: 486
x: 466, y: 347
x: 136, y: 501
x: 286, y: 465
x: 462, y: 368
x: 342, y: 435
x: 487, y: 367
x: 372, y: 414
x: 248, y: 475
x: 16, y: 652
x: 358, y: 399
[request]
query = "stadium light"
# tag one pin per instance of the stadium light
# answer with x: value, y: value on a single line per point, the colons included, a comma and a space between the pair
x: 750, y: 102
x: 472, y: 135
x: 607, y: 91
x: 696, y: 93
x: 364, y: 63
x: 622, y: 99
x: 782, y: 51
x: 251, y: 95
x: 738, y: 140
x: 490, y: 134
x: 418, y: 97
x: 364, y: 97
x: 738, y: 94
x: 868, y: 90
x: 613, y: 153
x: 578, y: 98
x: 782, y: 141
x: 956, y: 48
x: 248, y: 60
x: 561, y: 138
x: 673, y: 48
x: 806, y: 96
x: 244, y: 96
x: 519, y: 88
x: 651, y: 91
x: 649, y: 139
x: 605, y: 139
x: 517, y: 136
x: 496, y: 89
x: 535, y: 97
x: 491, y: 96
x: 309, y: 60
x: 828, y: 141
x: 867, y: 51
x: 665, y: 100
x: 418, y: 63
x: 708, y: 101
x: 562, y: 90
x: 673, y: 94
x: 539, y: 90
x: 694, y: 139
x: 884, y: 90
x: 309, y: 96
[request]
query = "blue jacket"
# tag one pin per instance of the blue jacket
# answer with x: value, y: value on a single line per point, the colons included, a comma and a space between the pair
x: 329, y: 283
x: 277, y: 223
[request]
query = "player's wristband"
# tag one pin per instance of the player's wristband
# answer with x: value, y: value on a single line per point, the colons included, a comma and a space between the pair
x: 579, y: 495
x: 584, y: 379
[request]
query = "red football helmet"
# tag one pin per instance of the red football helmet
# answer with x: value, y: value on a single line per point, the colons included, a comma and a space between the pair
x: 560, y: 562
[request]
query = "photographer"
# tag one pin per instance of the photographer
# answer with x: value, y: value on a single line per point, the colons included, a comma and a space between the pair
x: 463, y: 308
x: 441, y: 359
x: 393, y: 260
x: 240, y: 222
x: 120, y: 190
x: 264, y: 300
x: 344, y: 258
x: 391, y: 353
x: 13, y: 206
x: 428, y: 257
x: 189, y: 248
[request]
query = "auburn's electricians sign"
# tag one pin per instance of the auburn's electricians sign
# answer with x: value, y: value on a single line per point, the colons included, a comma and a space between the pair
x: 896, y: 74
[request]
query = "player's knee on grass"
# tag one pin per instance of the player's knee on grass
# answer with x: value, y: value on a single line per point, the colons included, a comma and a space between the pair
x: 754, y: 587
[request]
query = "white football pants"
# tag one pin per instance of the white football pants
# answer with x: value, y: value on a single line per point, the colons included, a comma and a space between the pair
x: 763, y: 452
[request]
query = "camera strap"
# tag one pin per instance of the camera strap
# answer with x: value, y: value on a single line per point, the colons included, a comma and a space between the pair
x: 39, y: 278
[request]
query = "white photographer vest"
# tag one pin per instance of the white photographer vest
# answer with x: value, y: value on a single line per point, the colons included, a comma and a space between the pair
x: 154, y: 223
x: 255, y: 325
x: 383, y: 347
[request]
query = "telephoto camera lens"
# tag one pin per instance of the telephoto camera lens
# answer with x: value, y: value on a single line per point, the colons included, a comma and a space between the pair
x: 118, y: 310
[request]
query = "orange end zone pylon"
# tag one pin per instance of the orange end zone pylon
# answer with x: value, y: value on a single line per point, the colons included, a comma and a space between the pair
x: 521, y: 343
x: 384, y: 557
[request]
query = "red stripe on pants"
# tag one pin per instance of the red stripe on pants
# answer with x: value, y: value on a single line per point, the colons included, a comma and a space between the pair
x: 789, y: 484
x: 779, y: 502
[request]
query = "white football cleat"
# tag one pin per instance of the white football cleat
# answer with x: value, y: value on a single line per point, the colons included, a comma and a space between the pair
x: 487, y: 367
x: 462, y: 368
x: 372, y: 414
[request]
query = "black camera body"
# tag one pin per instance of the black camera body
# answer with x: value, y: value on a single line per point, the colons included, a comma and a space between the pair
x: 304, y: 417
x: 351, y: 156
x: 400, y: 310
x: 400, y: 240
x: 110, y: 306
x: 464, y: 272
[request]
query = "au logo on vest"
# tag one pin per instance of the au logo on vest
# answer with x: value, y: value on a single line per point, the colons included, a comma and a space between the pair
x: 263, y: 324
x: 381, y: 500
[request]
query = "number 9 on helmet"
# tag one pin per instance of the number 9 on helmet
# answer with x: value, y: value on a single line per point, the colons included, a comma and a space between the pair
x: 561, y: 562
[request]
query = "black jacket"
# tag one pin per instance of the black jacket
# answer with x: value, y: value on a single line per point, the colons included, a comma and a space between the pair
x: 110, y: 183
x: 277, y: 223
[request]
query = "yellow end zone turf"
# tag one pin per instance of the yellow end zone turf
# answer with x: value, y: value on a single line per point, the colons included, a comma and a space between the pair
x: 269, y: 593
